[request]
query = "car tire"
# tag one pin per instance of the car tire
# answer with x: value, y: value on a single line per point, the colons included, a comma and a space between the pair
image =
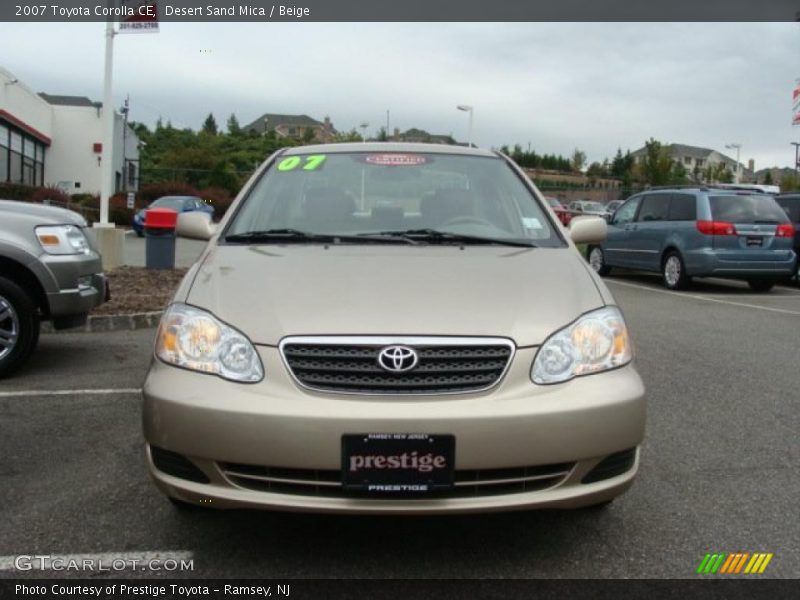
x: 597, y: 260
x: 761, y: 285
x: 19, y: 326
x: 673, y: 271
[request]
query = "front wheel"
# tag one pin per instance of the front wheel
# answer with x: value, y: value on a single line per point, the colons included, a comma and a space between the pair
x: 19, y: 326
x: 597, y: 260
x: 761, y: 285
x: 673, y: 271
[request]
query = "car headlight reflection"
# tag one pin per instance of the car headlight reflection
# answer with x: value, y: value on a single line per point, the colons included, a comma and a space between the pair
x: 596, y: 342
x: 194, y: 339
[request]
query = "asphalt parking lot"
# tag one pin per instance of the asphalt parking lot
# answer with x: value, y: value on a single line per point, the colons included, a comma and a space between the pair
x: 719, y: 465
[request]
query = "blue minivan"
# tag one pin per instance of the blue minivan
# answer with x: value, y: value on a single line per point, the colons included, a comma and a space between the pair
x: 686, y: 232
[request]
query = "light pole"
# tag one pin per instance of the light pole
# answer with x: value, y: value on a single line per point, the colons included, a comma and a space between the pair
x: 738, y: 150
x: 796, y: 153
x: 469, y: 109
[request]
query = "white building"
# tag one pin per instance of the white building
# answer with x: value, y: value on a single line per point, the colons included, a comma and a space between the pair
x: 57, y: 141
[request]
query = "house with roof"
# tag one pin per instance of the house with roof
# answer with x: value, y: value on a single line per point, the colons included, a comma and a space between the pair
x: 293, y: 127
x: 415, y: 135
x: 696, y: 160
x: 55, y: 140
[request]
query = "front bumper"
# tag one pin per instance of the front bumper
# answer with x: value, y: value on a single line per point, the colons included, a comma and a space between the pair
x: 79, y: 284
x: 212, y: 422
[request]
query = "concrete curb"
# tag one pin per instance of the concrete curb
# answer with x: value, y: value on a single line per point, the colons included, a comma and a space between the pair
x: 105, y: 323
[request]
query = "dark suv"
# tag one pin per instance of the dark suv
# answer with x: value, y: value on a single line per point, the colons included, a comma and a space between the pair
x: 791, y: 204
x: 683, y: 232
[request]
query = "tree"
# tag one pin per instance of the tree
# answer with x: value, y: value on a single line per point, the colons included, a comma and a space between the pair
x: 656, y: 167
x: 578, y: 159
x: 382, y: 135
x: 768, y: 178
x: 595, y: 171
x: 789, y: 183
x: 678, y: 176
x: 210, y: 125
x: 233, y: 125
x: 308, y: 135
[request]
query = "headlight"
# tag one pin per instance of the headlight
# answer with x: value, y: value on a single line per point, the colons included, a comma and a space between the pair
x: 194, y: 339
x: 596, y: 342
x: 62, y: 239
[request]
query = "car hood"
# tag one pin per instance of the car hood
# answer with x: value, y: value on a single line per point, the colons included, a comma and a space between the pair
x: 46, y: 215
x: 271, y: 291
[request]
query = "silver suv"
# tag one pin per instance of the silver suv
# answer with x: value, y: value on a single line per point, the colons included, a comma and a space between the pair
x: 49, y: 269
x: 700, y: 232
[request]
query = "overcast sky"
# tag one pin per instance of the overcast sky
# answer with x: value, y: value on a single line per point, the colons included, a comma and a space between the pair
x: 594, y: 86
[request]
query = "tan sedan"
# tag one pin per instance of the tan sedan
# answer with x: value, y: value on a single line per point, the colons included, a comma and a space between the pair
x: 393, y: 328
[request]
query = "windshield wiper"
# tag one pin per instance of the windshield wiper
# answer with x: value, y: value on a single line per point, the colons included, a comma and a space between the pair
x: 436, y: 236
x: 271, y: 234
x: 296, y: 235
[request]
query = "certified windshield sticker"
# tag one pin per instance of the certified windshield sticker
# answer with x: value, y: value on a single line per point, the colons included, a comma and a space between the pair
x: 311, y: 162
x: 396, y: 160
x: 531, y: 223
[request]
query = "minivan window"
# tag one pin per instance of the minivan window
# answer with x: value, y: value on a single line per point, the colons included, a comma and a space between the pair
x: 682, y: 207
x: 627, y: 211
x: 360, y: 193
x: 747, y: 209
x: 655, y: 207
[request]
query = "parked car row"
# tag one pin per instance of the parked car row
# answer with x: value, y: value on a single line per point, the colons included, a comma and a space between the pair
x: 180, y: 204
x: 565, y: 213
x: 702, y: 231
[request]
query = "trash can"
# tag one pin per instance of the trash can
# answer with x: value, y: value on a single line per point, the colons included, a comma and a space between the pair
x: 159, y: 238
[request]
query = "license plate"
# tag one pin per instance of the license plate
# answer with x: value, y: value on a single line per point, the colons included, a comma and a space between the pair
x: 755, y: 241
x: 392, y: 463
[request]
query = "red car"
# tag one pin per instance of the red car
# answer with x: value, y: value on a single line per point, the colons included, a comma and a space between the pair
x: 561, y: 211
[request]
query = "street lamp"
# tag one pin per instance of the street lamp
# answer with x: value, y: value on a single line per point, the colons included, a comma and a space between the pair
x: 738, y: 148
x: 364, y: 126
x: 467, y: 108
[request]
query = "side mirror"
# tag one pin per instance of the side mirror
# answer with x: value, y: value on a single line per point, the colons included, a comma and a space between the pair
x: 588, y: 230
x: 195, y: 224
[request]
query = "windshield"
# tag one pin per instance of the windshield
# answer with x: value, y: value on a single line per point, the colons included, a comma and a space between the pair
x: 359, y: 193
x: 593, y: 206
x: 553, y: 202
x: 173, y: 202
x: 747, y: 209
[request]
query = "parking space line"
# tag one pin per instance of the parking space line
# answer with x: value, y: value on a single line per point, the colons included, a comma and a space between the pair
x: 706, y: 298
x: 104, y: 561
x: 89, y: 392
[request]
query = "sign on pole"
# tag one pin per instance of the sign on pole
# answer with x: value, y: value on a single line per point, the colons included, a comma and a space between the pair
x: 131, y: 199
x: 143, y: 17
x: 796, y: 104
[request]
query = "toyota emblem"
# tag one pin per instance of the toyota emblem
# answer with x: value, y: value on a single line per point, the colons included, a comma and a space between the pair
x: 398, y: 359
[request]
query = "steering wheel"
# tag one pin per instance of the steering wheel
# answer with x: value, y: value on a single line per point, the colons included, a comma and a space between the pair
x: 467, y: 220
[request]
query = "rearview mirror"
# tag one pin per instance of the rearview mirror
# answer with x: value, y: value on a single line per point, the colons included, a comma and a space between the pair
x: 195, y: 224
x: 588, y: 230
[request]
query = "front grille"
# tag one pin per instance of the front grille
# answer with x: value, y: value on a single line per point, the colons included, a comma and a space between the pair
x: 350, y: 365
x: 327, y: 483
